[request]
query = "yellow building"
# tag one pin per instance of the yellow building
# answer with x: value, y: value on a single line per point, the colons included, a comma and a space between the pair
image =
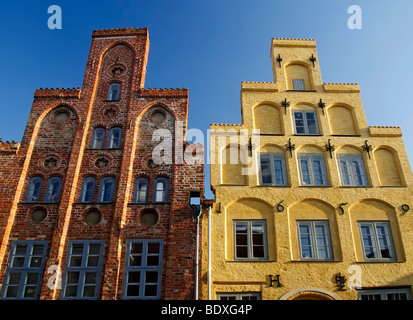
x: 314, y: 205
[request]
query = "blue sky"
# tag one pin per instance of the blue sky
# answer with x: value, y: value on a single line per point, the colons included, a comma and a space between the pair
x: 209, y: 47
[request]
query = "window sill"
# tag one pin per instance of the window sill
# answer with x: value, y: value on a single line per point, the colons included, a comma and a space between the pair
x: 111, y: 100
x: 381, y: 261
x: 38, y: 202
x: 145, y: 203
x: 356, y: 186
x: 273, y: 186
x: 104, y: 149
x: 94, y: 203
x: 308, y: 186
x: 316, y: 260
x: 231, y: 261
x: 307, y: 134
x: 233, y: 185
x: 301, y: 90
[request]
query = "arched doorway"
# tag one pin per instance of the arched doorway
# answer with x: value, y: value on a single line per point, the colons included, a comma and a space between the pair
x: 309, y: 294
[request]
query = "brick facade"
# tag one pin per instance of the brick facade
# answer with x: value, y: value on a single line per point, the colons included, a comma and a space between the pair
x: 57, y: 142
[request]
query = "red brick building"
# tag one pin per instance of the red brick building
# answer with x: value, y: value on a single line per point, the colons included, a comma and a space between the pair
x: 88, y: 210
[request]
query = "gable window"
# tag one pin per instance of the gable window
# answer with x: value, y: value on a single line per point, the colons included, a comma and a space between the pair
x: 82, y: 274
x: 377, y: 240
x: 298, y: 84
x: 314, y: 240
x: 114, y: 91
x: 273, y: 170
x: 312, y: 170
x: 88, y: 187
x: 161, y: 190
x: 107, y: 186
x: 143, y: 269
x: 24, y: 270
x: 33, y: 190
x: 98, y: 138
x: 305, y: 122
x: 141, y: 190
x: 53, y: 189
x: 250, y: 241
x: 352, y: 170
x: 115, y: 135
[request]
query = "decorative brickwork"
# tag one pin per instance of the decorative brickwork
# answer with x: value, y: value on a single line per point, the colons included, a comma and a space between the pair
x: 57, y: 142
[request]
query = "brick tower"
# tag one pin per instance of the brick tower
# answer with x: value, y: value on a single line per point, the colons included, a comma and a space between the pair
x: 89, y: 211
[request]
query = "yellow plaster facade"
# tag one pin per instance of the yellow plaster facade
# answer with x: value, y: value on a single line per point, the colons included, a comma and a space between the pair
x: 287, y: 208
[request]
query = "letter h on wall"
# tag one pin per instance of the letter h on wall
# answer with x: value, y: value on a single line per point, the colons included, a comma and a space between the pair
x: 275, y: 279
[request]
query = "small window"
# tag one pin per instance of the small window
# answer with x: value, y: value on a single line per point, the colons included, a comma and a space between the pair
x: 143, y: 269
x: 239, y: 296
x: 24, y: 270
x: 98, y: 139
x: 384, y: 294
x: 305, y: 122
x: 273, y: 169
x: 114, y: 91
x: 312, y: 170
x: 298, y: 84
x: 88, y: 187
x: 161, y: 190
x: 107, y: 186
x: 141, y: 190
x: 53, y: 189
x: 250, y: 241
x: 377, y: 240
x: 82, y: 274
x: 314, y: 240
x: 115, y: 135
x: 352, y: 170
x: 33, y: 190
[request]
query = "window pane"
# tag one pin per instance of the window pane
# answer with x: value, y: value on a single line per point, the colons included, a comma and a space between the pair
x: 136, y: 247
x: 94, y: 248
x: 151, y: 276
x: 153, y: 247
x: 29, y: 291
x: 89, y: 291
x: 77, y: 248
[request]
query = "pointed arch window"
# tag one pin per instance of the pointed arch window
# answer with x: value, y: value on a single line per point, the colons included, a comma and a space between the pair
x: 114, y: 91
x: 107, y: 187
x: 53, y: 189
x: 88, y: 186
x: 141, y: 190
x: 115, y: 136
x: 98, y: 138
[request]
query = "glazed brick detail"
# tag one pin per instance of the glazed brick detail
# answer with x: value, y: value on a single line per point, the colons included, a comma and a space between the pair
x: 57, y: 142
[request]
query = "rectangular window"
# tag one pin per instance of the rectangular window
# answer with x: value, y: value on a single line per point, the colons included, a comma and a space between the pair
x: 250, y: 241
x: 314, y: 240
x: 141, y: 190
x: 143, y: 269
x: 24, y: 270
x: 115, y: 136
x: 298, y: 84
x: 239, y: 296
x: 377, y: 240
x: 107, y: 187
x: 113, y: 92
x: 82, y: 274
x: 312, y: 170
x: 273, y: 169
x: 385, y: 294
x: 305, y: 122
x: 98, y: 138
x: 352, y: 170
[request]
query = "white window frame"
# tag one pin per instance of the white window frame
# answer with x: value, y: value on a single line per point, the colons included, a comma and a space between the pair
x: 299, y: 84
x: 53, y: 192
x: 33, y: 189
x: 114, y: 91
x: 98, y: 138
x: 348, y: 165
x: 250, y: 243
x: 103, y: 190
x: 314, y: 245
x: 272, y: 157
x: 239, y: 296
x: 113, y: 142
x: 384, y: 294
x: 305, y: 122
x: 86, y: 181
x: 310, y: 158
x: 375, y: 240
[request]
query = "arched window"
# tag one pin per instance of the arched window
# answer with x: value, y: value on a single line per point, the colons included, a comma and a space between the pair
x: 53, y: 189
x: 107, y: 187
x: 98, y: 138
x: 114, y: 91
x: 33, y: 190
x: 160, y: 193
x: 115, y: 135
x: 141, y: 190
x: 88, y: 186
